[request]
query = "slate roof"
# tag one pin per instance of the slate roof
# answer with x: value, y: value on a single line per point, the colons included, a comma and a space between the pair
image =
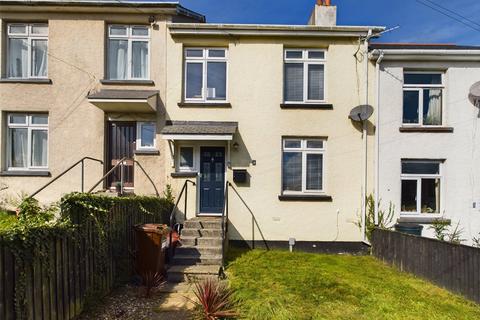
x: 200, y: 127
x: 421, y: 46
x: 108, y: 94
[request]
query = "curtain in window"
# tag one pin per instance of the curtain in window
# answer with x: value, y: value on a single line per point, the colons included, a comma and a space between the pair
x: 39, y: 148
x: 139, y: 59
x: 292, y: 171
x: 17, y: 58
x: 18, y: 148
x: 293, y: 86
x: 39, y: 58
x: 194, y: 80
x: 315, y: 81
x: 117, y: 59
x: 216, y: 80
x: 432, y: 106
x: 314, y: 171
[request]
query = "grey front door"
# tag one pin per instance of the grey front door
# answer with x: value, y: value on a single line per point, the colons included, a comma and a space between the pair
x: 212, y: 179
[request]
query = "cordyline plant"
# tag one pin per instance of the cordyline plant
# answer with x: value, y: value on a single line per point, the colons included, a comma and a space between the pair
x: 214, y: 300
x: 152, y: 280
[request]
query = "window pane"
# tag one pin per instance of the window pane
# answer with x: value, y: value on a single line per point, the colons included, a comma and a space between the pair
x: 410, y: 106
x: 432, y: 106
x: 315, y: 81
x: 293, y: 143
x: 292, y: 171
x: 18, y: 119
x: 412, y: 167
x: 194, y: 80
x: 17, y: 58
x: 40, y: 29
x: 117, y: 59
x: 18, y: 147
x: 148, y: 135
x: 316, y: 55
x: 422, y: 78
x: 118, y: 31
x: 216, y: 53
x: 139, y: 31
x: 39, y: 58
x: 139, y: 59
x: 40, y: 119
x: 294, y: 55
x: 17, y: 29
x: 194, y: 53
x: 216, y: 81
x: 39, y: 148
x: 409, y: 195
x: 314, y: 171
x: 186, y: 157
x: 293, y: 86
x: 315, y: 144
x: 430, y: 200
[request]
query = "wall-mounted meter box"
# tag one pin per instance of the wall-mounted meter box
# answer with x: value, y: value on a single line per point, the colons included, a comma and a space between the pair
x: 239, y: 175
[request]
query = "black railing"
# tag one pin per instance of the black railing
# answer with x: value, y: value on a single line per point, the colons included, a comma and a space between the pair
x: 106, y: 175
x: 175, y: 207
x: 82, y: 161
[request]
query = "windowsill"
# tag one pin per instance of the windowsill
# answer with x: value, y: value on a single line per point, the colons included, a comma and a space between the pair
x: 128, y: 82
x: 204, y: 105
x: 305, y: 197
x: 423, y: 220
x: 26, y: 80
x: 25, y: 173
x: 190, y: 174
x: 147, y: 152
x: 426, y: 129
x: 307, y: 106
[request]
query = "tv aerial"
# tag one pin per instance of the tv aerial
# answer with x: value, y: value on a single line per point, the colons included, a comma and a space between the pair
x: 364, y: 111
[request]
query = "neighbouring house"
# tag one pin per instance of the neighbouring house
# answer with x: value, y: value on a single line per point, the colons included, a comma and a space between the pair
x: 83, y: 79
x: 427, y: 142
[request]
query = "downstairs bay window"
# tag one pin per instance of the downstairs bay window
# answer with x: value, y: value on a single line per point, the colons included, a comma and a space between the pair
x: 27, y: 141
x: 421, y: 186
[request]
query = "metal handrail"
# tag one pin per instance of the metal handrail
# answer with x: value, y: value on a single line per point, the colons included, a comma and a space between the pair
x: 120, y: 162
x: 148, y: 177
x: 254, y: 220
x: 82, y: 161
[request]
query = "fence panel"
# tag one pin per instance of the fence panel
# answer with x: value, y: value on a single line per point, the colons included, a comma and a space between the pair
x: 452, y: 266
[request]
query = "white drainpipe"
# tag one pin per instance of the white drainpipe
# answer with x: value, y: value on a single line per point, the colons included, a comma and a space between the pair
x: 377, y: 139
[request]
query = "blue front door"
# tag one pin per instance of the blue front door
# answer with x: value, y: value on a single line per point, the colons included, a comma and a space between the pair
x: 212, y: 179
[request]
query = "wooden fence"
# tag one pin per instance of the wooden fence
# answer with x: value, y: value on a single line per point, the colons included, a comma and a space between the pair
x: 58, y: 286
x: 454, y: 267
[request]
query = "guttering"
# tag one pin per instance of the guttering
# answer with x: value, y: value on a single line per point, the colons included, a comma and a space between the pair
x: 427, y: 54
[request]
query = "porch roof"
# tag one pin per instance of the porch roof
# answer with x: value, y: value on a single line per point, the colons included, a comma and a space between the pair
x: 199, y: 130
x: 111, y: 100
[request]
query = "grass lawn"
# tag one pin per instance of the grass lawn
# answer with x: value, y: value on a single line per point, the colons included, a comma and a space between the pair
x: 6, y: 220
x: 281, y: 285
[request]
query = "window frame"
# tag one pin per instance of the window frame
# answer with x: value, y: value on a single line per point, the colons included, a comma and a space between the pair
x: 306, y: 62
x: 418, y: 178
x: 30, y: 128
x: 138, y: 143
x: 420, y: 88
x: 130, y: 38
x: 204, y: 59
x: 193, y: 168
x: 30, y: 37
x: 304, y: 150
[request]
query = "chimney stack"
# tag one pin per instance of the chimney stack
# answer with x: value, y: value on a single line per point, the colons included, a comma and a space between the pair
x: 324, y: 14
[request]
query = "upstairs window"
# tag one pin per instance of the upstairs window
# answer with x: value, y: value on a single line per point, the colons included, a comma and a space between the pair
x: 27, y: 141
x: 27, y: 50
x: 205, y: 75
x: 304, y: 76
x: 422, y: 98
x: 128, y: 52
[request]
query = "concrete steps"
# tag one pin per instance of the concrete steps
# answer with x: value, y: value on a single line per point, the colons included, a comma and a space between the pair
x: 185, y: 273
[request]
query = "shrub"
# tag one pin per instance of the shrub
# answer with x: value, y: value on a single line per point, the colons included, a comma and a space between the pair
x: 440, y: 229
x: 385, y: 218
x: 214, y: 300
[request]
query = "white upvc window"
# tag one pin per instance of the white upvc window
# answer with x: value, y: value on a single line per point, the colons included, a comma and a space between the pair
x: 27, y: 141
x: 423, y: 96
x: 146, y: 136
x: 128, y: 52
x: 304, y: 76
x: 303, y: 164
x: 421, y: 187
x: 27, y: 50
x: 205, y: 75
x: 186, y: 158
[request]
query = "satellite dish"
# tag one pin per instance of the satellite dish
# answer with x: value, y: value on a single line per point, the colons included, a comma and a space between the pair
x: 361, y: 113
x: 474, y: 95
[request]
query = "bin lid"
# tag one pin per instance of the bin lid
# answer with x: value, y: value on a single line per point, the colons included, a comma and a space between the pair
x: 153, y: 227
x: 408, y: 226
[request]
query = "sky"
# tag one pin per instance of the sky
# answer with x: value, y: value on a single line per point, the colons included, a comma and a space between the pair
x: 418, y: 23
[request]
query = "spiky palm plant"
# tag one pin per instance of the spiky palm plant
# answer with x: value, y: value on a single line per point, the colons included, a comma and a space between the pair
x: 214, y: 300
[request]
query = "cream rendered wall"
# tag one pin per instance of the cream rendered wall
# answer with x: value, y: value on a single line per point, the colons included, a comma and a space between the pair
x: 461, y: 149
x: 255, y: 91
x: 77, y: 45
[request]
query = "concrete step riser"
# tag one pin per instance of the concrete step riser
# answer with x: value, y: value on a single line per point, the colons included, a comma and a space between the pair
x: 178, y: 277
x: 188, y: 242
x: 198, y: 251
x: 201, y: 233
x: 203, y: 225
x: 190, y: 261
x: 209, y: 242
